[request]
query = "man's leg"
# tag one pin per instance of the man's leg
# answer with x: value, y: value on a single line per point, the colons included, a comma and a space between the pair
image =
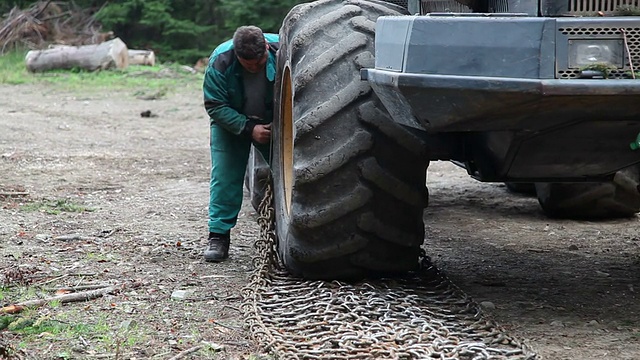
x: 229, y: 155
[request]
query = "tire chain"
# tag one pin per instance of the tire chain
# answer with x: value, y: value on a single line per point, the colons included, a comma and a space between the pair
x: 423, y: 315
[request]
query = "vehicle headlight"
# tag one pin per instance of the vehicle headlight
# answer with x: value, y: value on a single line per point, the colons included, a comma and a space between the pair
x: 591, y: 51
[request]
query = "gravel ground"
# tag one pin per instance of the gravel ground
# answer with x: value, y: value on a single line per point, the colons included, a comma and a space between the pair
x: 94, y: 194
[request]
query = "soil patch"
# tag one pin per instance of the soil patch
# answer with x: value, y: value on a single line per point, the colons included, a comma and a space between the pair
x: 93, y: 193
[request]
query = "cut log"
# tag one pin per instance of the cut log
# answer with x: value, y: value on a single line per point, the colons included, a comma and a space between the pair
x: 107, y: 55
x: 142, y: 57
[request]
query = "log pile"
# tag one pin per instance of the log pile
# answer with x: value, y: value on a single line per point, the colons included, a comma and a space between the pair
x: 112, y: 54
x: 142, y: 57
x: 63, y: 36
x: 49, y: 22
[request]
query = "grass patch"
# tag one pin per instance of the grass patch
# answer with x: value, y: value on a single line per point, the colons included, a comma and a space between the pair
x: 12, y: 68
x: 54, y: 207
x: 34, y: 331
x: 27, y: 326
x: 628, y: 10
x: 161, y: 77
x: 632, y: 75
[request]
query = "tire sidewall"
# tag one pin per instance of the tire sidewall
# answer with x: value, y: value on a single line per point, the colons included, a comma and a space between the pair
x: 283, y: 219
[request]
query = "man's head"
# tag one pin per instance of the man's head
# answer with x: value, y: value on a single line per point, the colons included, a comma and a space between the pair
x: 250, y: 48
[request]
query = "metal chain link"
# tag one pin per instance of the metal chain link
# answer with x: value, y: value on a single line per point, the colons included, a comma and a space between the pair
x: 420, y: 316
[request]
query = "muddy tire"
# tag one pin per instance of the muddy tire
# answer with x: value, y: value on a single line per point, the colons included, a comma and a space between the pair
x: 614, y: 199
x: 349, y: 182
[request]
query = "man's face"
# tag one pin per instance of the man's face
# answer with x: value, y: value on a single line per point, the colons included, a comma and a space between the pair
x: 254, y: 65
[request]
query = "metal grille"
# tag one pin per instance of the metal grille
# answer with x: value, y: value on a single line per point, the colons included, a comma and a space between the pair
x: 403, y: 3
x: 575, y: 74
x: 499, y: 6
x: 631, y: 36
x: 440, y: 6
x: 597, y: 31
x: 606, y: 6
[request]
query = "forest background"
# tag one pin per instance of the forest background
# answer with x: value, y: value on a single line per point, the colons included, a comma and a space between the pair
x: 177, y: 30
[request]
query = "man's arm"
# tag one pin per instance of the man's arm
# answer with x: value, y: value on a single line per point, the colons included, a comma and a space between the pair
x: 216, y: 102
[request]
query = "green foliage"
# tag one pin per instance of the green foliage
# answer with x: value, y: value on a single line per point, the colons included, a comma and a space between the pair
x: 32, y: 327
x: 179, y: 30
x: 186, y: 30
x: 266, y: 14
x: 54, y: 207
x: 628, y: 10
x: 6, y: 6
x: 20, y: 324
x: 137, y: 80
x: 605, y: 69
x: 6, y: 320
x: 170, y: 28
x: 12, y: 68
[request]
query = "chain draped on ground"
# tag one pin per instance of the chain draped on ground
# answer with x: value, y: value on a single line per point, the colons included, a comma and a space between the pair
x: 420, y: 316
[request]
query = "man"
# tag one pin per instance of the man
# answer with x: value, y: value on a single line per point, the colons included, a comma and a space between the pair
x: 238, y: 96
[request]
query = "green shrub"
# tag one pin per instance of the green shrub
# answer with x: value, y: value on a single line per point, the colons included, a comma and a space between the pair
x: 179, y: 30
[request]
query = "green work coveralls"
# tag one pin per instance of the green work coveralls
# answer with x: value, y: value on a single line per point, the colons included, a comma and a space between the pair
x: 230, y: 138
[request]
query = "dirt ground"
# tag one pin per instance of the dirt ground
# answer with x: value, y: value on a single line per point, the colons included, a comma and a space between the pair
x: 570, y: 289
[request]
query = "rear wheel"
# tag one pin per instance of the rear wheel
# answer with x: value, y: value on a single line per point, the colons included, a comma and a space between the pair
x: 349, y: 182
x: 614, y: 199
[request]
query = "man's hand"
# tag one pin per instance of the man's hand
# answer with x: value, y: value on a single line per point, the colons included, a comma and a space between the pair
x: 261, y: 133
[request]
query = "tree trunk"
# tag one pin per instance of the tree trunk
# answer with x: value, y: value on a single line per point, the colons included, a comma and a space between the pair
x: 142, y: 57
x: 107, y: 55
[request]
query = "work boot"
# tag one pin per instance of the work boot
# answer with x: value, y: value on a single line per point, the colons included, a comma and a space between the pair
x: 218, y: 248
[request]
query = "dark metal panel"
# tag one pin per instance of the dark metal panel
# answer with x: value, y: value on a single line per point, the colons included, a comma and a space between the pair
x: 461, y: 103
x: 524, y: 6
x: 582, y: 149
x: 587, y: 8
x: 502, y: 46
x: 391, y: 40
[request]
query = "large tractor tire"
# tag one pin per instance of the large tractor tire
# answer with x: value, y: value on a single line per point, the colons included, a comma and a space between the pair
x: 349, y: 182
x: 613, y: 199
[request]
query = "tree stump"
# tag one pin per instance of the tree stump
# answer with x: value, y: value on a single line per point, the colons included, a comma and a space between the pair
x: 142, y: 57
x: 107, y: 55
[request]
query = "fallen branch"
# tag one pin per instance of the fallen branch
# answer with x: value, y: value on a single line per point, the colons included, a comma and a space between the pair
x: 62, y: 277
x: 224, y: 326
x: 79, y: 287
x: 8, y: 194
x: 108, y: 356
x: 111, y: 232
x: 72, y: 237
x: 190, y: 351
x: 66, y: 298
x: 52, y: 280
x: 47, y: 279
x: 47, y: 22
x: 215, y: 297
x: 42, y: 9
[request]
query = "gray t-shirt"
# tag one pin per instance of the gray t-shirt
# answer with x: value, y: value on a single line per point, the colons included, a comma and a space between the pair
x: 255, y: 88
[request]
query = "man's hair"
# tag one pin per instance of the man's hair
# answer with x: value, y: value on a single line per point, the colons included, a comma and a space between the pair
x: 249, y: 42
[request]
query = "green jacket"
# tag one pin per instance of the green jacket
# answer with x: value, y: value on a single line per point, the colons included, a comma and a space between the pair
x: 223, y: 86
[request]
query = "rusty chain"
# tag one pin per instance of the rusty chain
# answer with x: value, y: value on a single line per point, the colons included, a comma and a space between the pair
x: 416, y: 317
